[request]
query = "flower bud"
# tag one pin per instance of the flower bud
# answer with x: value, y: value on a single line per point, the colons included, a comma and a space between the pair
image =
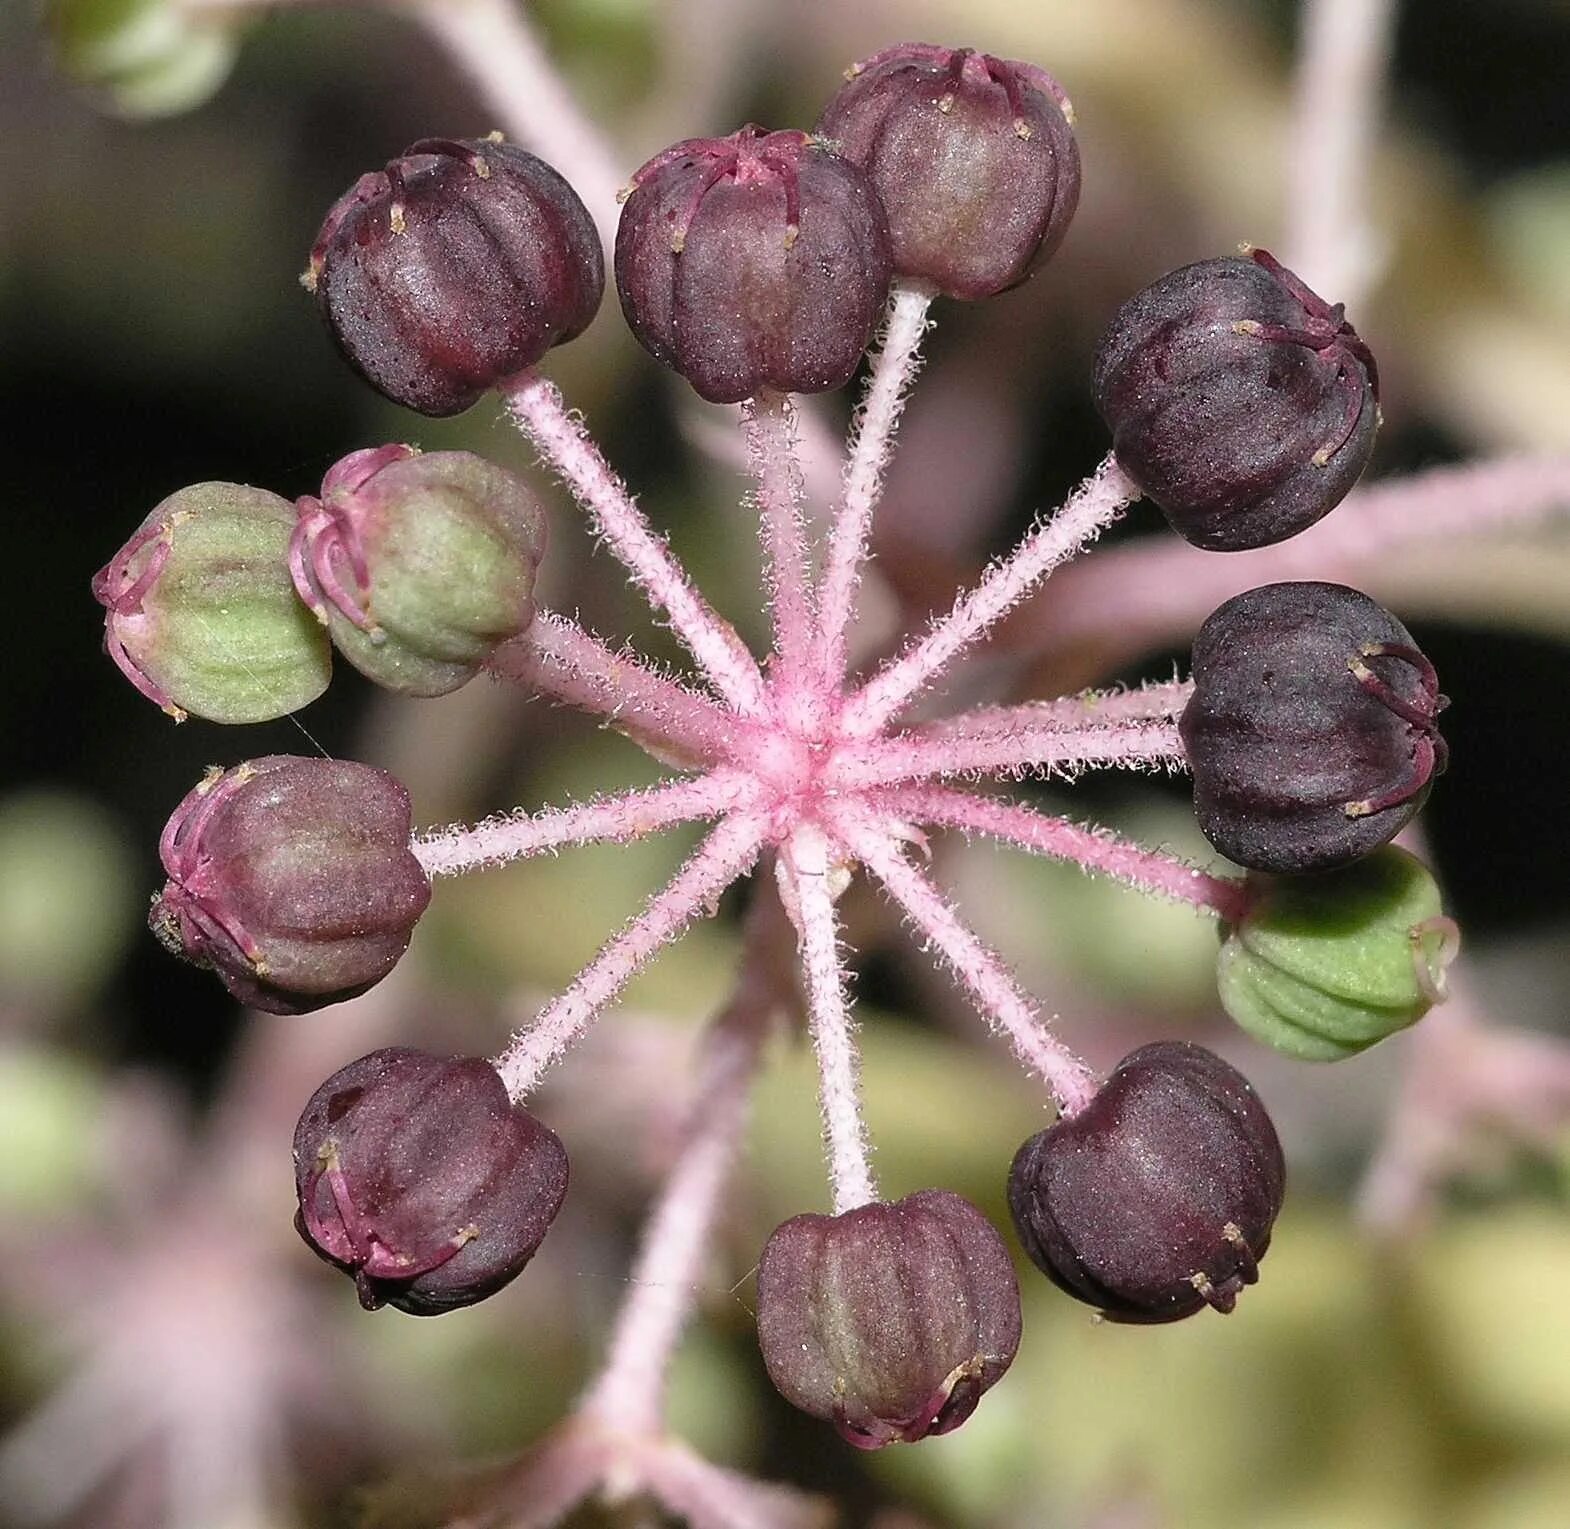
x: 419, y: 565
x: 201, y: 616
x: 755, y: 261
x: 1239, y: 401
x: 1321, y: 967
x: 972, y: 156
x: 420, y: 1178
x: 889, y: 1320
x: 1158, y: 1198
x: 455, y: 268
x: 292, y: 879
x: 1312, y: 731
x: 143, y: 58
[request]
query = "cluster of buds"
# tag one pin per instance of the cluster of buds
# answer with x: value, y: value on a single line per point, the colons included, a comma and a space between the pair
x: 222, y: 604
x: 757, y: 265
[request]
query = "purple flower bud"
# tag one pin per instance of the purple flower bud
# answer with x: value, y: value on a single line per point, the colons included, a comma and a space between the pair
x: 972, y: 156
x: 292, y: 879
x: 1242, y: 403
x: 755, y: 261
x: 1158, y: 1198
x: 420, y: 1178
x: 419, y: 565
x: 455, y: 268
x: 889, y: 1320
x: 199, y: 614
x: 1312, y: 731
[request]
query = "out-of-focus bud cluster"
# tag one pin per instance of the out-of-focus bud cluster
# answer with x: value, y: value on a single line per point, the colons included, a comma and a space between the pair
x: 143, y: 58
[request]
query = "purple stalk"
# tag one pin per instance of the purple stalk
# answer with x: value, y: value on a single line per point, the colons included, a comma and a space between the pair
x: 1003, y: 1005
x: 1093, y: 849
x: 1048, y: 749
x: 1095, y: 505
x: 894, y: 368
x: 1133, y: 598
x: 808, y: 868
x: 536, y: 407
x: 619, y: 819
x: 629, y: 1394
x: 1342, y: 61
x: 558, y: 658
x: 1155, y: 702
x: 769, y: 424
x: 726, y: 854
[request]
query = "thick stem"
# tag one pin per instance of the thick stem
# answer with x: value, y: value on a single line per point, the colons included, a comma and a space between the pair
x: 1047, y: 750
x: 1342, y: 59
x: 1094, y: 506
x: 1003, y: 1005
x: 629, y: 1393
x: 894, y: 368
x: 536, y: 406
x: 1094, y: 849
x: 631, y: 815
x: 844, y: 1133
x: 726, y: 854
x: 493, y: 43
x: 769, y: 423
x: 556, y: 657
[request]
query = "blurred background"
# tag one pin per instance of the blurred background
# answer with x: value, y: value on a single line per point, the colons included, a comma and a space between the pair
x: 171, y: 1359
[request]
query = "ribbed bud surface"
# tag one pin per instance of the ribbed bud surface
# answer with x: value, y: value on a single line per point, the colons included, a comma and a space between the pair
x: 420, y: 1178
x: 1158, y: 1198
x: 889, y: 1320
x: 292, y: 879
x: 972, y: 157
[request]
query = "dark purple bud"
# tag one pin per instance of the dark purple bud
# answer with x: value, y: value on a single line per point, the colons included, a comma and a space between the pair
x: 455, y: 268
x: 1312, y: 731
x: 755, y: 261
x: 292, y: 879
x: 1242, y: 403
x: 972, y: 156
x: 419, y: 564
x: 890, y: 1321
x: 421, y: 1179
x: 1158, y: 1198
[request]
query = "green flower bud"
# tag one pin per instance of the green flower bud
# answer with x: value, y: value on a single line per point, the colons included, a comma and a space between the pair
x: 201, y: 616
x: 419, y: 565
x: 1322, y: 967
x: 144, y: 58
